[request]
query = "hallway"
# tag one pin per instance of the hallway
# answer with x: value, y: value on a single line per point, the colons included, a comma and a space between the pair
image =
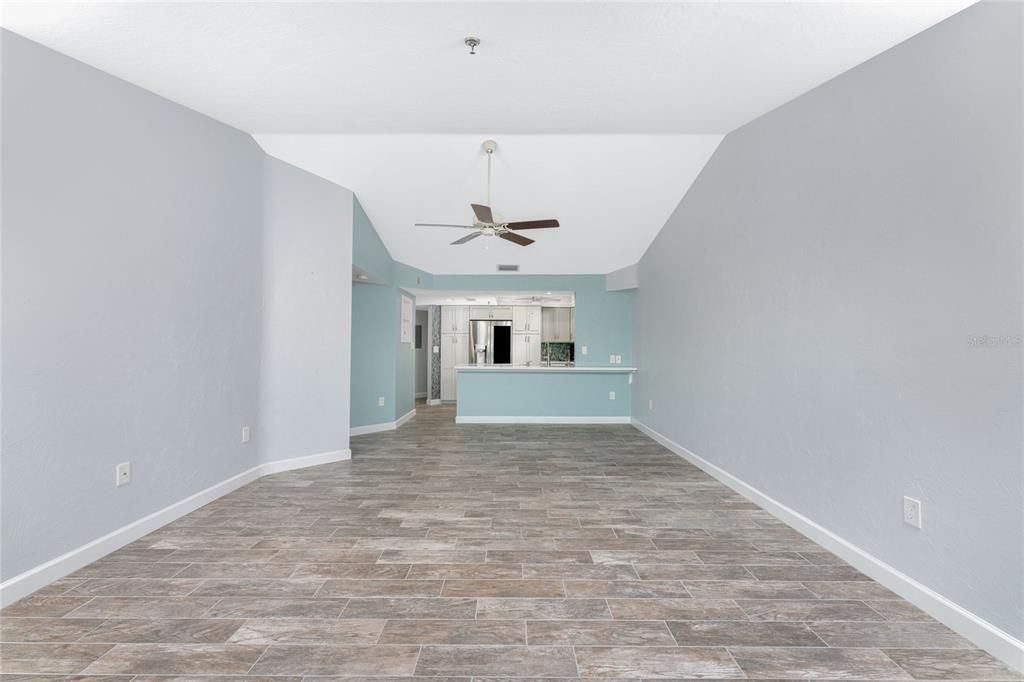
x: 483, y: 551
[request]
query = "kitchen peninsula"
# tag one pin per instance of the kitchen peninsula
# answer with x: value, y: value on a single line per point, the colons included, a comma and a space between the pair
x: 538, y: 394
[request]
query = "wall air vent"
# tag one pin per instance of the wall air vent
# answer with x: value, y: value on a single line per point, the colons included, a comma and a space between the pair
x: 508, y: 268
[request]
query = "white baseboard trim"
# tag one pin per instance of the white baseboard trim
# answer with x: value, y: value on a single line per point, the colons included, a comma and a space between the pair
x: 383, y: 426
x: 434, y: 401
x: 33, y: 579
x: 992, y: 639
x: 542, y: 420
x: 372, y: 428
x: 280, y: 465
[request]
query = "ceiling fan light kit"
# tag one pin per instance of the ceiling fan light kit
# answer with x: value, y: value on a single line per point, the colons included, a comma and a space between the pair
x: 485, y: 225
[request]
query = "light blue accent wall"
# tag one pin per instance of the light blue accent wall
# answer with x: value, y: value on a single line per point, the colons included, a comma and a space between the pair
x: 381, y: 364
x: 540, y: 394
x: 374, y: 336
x: 368, y: 251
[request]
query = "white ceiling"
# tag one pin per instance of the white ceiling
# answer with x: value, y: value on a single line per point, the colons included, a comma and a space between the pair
x: 543, y: 67
x: 611, y: 193
x: 605, y: 112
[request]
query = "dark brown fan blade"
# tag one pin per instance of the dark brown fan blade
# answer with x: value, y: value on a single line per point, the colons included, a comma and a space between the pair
x: 517, y: 238
x: 468, y: 237
x: 532, y: 224
x: 483, y: 213
x: 442, y: 225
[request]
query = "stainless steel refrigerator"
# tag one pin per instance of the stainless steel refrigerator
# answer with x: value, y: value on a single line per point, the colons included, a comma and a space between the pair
x: 490, y: 342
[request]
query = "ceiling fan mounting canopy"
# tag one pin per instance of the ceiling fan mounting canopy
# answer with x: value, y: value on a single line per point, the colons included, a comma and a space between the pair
x: 485, y: 225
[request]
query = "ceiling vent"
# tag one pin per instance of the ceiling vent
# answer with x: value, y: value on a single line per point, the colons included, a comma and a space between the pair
x: 508, y: 268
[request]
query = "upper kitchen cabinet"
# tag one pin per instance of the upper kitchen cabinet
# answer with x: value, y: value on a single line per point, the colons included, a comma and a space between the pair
x: 558, y: 325
x: 526, y: 320
x: 486, y: 312
x: 454, y: 319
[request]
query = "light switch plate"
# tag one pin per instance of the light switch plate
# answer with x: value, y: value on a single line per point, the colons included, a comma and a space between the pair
x: 380, y: 401
x: 246, y: 434
x: 583, y: 350
x: 611, y: 395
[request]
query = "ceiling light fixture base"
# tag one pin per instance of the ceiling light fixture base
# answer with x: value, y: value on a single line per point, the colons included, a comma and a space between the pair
x: 489, y: 146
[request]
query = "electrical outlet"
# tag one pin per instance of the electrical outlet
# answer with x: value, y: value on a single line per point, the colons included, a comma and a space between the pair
x: 380, y: 401
x: 246, y: 434
x: 911, y: 512
x: 618, y: 359
x: 583, y: 350
x: 611, y: 395
x: 123, y: 474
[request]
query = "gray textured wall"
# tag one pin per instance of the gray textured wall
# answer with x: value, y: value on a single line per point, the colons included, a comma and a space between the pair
x: 134, y: 279
x: 307, y: 314
x: 131, y: 308
x: 804, y: 319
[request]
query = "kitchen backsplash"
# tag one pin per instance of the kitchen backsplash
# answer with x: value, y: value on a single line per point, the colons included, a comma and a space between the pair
x: 557, y: 352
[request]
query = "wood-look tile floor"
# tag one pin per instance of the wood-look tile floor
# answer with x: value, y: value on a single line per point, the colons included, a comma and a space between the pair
x: 444, y: 551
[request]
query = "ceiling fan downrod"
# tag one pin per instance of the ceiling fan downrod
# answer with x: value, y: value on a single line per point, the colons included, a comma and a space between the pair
x: 489, y: 146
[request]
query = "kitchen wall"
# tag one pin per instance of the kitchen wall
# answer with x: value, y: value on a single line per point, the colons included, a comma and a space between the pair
x: 808, y: 319
x: 604, y: 319
x: 134, y: 278
x: 381, y: 366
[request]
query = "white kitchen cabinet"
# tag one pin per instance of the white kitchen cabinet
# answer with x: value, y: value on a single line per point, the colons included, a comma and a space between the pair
x: 558, y: 325
x: 454, y: 351
x: 526, y: 319
x: 526, y: 349
x: 490, y: 312
x: 454, y: 319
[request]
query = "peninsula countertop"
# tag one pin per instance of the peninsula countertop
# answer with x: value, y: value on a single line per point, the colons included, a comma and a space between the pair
x: 544, y: 369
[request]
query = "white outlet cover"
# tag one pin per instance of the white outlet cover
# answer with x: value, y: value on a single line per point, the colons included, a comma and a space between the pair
x: 611, y: 395
x: 123, y: 474
x: 912, y: 511
x: 583, y: 350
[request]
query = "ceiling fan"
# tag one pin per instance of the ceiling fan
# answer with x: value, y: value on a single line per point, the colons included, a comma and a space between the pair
x: 484, y: 224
